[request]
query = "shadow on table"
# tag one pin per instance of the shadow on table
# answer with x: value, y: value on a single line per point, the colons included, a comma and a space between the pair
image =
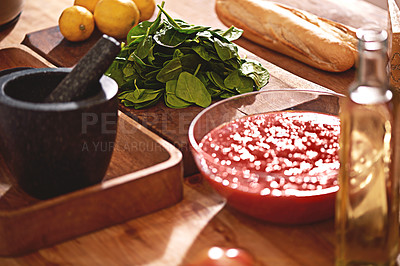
x: 267, y: 243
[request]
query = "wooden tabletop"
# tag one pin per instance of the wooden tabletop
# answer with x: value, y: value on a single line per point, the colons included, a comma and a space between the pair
x: 174, y: 236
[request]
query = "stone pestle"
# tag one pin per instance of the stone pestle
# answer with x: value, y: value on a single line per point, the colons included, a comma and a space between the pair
x: 88, y: 70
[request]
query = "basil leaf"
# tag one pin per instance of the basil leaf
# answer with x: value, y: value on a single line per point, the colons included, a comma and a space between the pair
x: 225, y: 50
x: 169, y: 37
x: 255, y: 71
x: 189, y: 29
x: 128, y: 70
x: 217, y: 80
x: 149, y: 84
x: 170, y: 71
x: 139, y: 96
x: 204, y: 35
x: 230, y: 34
x: 133, y: 57
x: 123, y: 94
x: 189, y: 88
x: 139, y: 31
x: 178, y: 53
x: 127, y: 103
x: 170, y: 96
x: 214, y: 91
x: 190, y: 62
x: 143, y: 48
x: 116, y: 73
x: 150, y: 56
x: 144, y: 27
x: 202, y: 52
x: 226, y: 95
x: 157, y: 22
x: 240, y: 83
x: 202, y: 76
x: 148, y: 103
x: 151, y: 75
x: 170, y: 20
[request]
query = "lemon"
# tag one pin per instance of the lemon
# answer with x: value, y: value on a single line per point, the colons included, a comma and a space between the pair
x: 88, y: 4
x: 116, y: 17
x: 76, y: 23
x: 146, y: 8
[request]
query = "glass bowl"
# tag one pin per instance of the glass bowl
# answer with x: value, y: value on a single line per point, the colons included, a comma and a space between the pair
x: 281, y: 180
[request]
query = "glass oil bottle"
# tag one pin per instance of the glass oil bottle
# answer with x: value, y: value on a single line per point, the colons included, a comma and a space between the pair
x: 367, y: 212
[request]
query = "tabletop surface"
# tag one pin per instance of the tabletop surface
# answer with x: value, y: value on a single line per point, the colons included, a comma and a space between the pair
x: 175, y: 235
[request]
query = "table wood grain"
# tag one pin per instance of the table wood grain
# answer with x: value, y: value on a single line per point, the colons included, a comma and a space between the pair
x: 175, y: 235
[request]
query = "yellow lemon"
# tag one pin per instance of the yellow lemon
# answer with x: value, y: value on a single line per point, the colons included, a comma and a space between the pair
x: 146, y: 8
x: 88, y: 4
x: 76, y: 23
x: 116, y: 17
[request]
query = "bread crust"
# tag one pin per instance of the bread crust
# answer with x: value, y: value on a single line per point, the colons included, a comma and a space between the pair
x: 316, y: 41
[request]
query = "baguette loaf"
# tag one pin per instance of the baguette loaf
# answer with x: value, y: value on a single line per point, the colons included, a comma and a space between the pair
x: 316, y: 41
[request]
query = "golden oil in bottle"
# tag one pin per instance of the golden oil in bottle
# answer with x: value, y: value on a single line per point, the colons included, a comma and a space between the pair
x: 367, y: 212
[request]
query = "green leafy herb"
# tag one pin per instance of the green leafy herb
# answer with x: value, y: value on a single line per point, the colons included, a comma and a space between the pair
x: 242, y: 84
x: 171, y: 100
x: 170, y: 71
x: 189, y: 88
x: 232, y: 33
x: 183, y: 64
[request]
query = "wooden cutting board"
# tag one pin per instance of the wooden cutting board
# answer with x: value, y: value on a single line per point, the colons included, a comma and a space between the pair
x: 285, y: 72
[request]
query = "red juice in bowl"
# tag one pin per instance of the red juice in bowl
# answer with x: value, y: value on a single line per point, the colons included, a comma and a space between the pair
x: 279, y: 166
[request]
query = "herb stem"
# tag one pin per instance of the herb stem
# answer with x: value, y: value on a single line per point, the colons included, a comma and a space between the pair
x: 197, y: 70
x: 170, y: 19
x: 161, y: 8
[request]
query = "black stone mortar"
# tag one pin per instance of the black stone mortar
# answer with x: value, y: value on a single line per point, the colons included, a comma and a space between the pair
x: 56, y: 148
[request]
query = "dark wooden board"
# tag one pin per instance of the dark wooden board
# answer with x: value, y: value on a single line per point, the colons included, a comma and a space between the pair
x: 50, y: 44
x: 285, y: 72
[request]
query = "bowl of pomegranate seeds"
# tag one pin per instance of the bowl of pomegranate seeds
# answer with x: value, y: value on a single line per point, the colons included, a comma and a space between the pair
x: 272, y: 154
